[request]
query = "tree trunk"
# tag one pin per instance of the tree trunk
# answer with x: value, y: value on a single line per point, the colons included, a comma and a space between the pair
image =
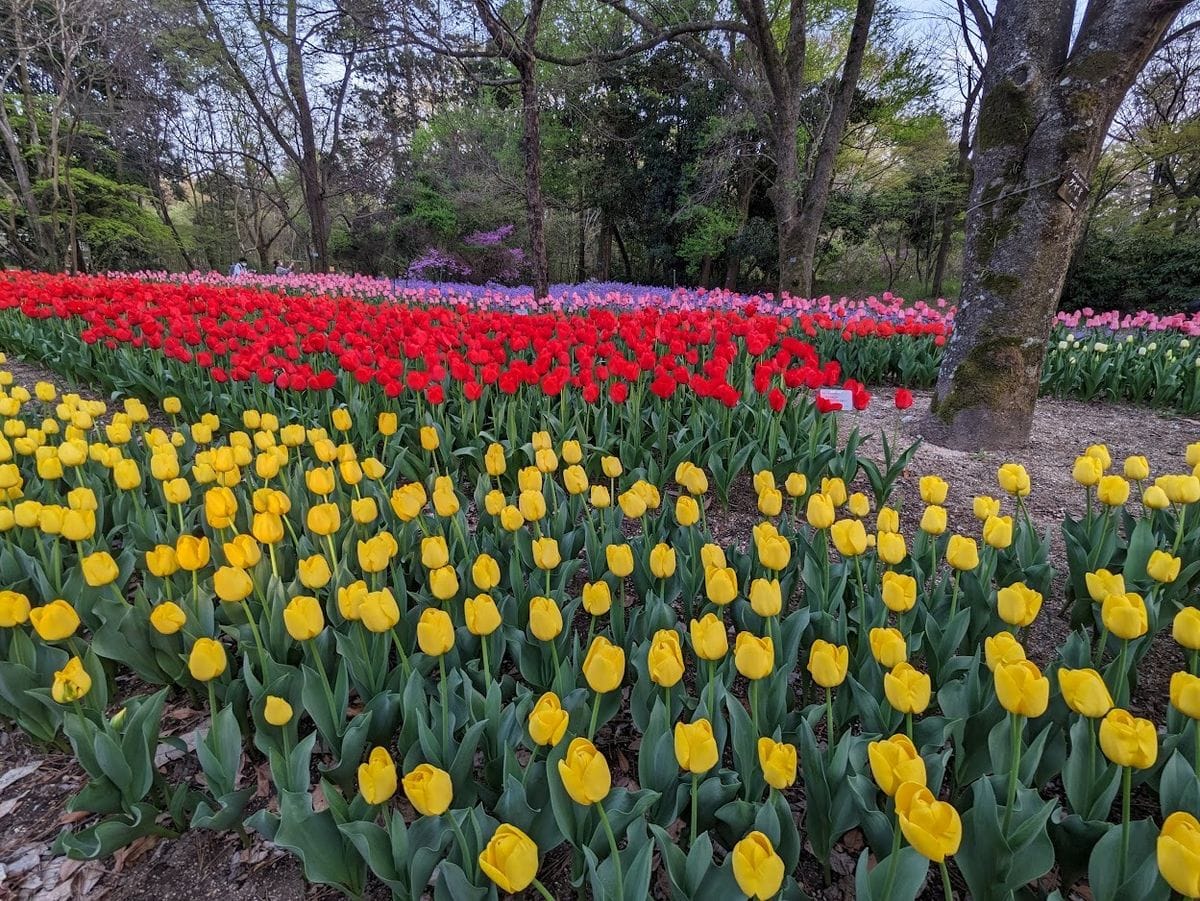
x: 1042, y: 119
x: 605, y: 263
x: 786, y: 198
x: 624, y: 253
x: 963, y: 171
x: 581, y: 242
x: 535, y: 207
x: 816, y: 193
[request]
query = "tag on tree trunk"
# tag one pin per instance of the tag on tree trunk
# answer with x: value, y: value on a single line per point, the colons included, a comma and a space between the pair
x: 1073, y: 190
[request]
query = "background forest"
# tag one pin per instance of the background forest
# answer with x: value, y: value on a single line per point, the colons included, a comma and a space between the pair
x: 394, y: 138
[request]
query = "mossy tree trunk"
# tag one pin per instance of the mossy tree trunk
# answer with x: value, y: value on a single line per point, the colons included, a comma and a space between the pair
x: 1046, y: 106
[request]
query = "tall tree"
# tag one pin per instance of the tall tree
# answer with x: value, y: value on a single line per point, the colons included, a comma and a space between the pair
x: 768, y: 69
x: 1046, y: 104
x: 272, y: 49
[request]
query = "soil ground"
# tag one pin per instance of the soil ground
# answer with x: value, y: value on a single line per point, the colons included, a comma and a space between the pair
x: 35, y: 783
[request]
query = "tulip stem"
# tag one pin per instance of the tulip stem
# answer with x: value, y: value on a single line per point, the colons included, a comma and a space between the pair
x: 1122, y: 681
x: 1195, y: 667
x: 1126, y: 787
x: 908, y: 724
x: 487, y: 670
x: 529, y: 766
x: 1100, y: 645
x: 893, y: 859
x: 612, y: 844
x: 262, y: 654
x: 333, y: 708
x: 954, y: 595
x: 542, y: 890
x: 754, y: 707
x: 695, y: 788
x: 404, y: 657
x: 1179, y: 534
x: 595, y: 716
x: 1015, y: 765
x: 829, y: 715
x: 712, y: 688
x: 946, y: 881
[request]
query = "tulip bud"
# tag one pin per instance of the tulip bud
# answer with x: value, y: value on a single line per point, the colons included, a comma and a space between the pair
x: 908, y: 689
x: 510, y: 859
x: 753, y: 656
x: 377, y: 777
x: 695, y: 746
x: 827, y: 663
x: 548, y: 721
x: 585, y: 773
x: 604, y: 665
x: 428, y: 790
x: 1084, y: 692
x: 894, y: 762
x: 1178, y: 853
x: 1127, y: 740
x: 758, y: 870
x: 1018, y: 604
x: 1021, y: 688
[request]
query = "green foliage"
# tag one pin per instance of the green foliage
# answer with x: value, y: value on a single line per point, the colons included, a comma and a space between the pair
x: 1139, y: 268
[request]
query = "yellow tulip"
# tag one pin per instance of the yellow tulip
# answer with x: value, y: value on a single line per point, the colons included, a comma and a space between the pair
x: 494, y: 461
x: 1018, y: 604
x: 1154, y: 498
x: 1163, y: 567
x: 1127, y: 740
x: 1185, y: 694
x: 720, y: 584
x: 435, y: 632
x: 324, y: 519
x: 827, y: 663
x: 1124, y: 615
x: 665, y: 658
x: 778, y: 763
x: 546, y: 555
x: 1084, y: 692
x: 54, y: 621
x: 445, y: 501
x: 894, y: 762
x: 14, y: 609
x: 99, y: 569
x: 377, y: 777
x: 820, y: 511
x: 770, y: 502
x: 662, y: 561
x: 71, y: 683
x: 545, y: 619
x: 766, y: 598
x: 931, y: 826
x: 532, y: 505
x: 985, y: 507
x: 548, y: 721
x: 1185, y: 628
x: 379, y: 611
x: 692, y: 478
x: 314, y: 572
x: 408, y: 501
x: 1113, y: 491
x: 710, y: 640
x: 429, y: 790
x: 443, y: 583
x: 243, y: 551
x: 1178, y: 853
x: 303, y: 618
x: 277, y: 711
x: 585, y: 773
x: 1021, y: 688
x: 1102, y: 583
x: 1087, y: 471
x: 511, y: 518
x: 908, y: 689
x: 510, y: 859
x: 611, y: 466
x: 712, y: 555
x: 597, y: 598
x: 888, y: 647
x: 575, y: 480
x: 207, y: 660
x: 320, y: 481
x: 933, y: 520
x: 899, y: 591
x: 167, y: 618
x: 604, y: 665
x: 998, y: 532
x: 1137, y: 468
x: 758, y: 870
x: 933, y: 490
x: 773, y: 550
x: 695, y: 746
x: 429, y: 438
x: 962, y: 553
x: 1013, y: 479
x: 687, y: 511
x: 632, y: 504
x: 753, y: 656
x: 482, y: 615
x: 1002, y: 648
x: 849, y: 537
x: 599, y: 497
x: 891, y: 548
x: 1179, y: 489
